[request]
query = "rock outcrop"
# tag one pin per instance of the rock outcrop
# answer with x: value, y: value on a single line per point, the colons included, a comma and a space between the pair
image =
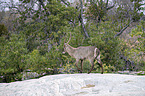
x: 77, y: 85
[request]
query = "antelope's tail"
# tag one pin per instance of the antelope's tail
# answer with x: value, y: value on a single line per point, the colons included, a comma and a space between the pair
x: 97, y: 56
x: 97, y: 53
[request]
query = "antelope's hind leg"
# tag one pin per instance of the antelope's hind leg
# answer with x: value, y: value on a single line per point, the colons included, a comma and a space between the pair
x: 101, y: 64
x: 101, y: 67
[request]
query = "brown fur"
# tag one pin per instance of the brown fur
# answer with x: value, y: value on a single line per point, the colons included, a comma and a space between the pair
x: 80, y: 53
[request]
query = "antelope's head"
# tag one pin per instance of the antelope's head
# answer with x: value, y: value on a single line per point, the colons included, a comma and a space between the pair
x: 64, y: 48
x: 66, y: 45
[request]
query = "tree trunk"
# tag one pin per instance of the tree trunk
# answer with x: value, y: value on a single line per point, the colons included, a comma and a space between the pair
x: 81, y: 21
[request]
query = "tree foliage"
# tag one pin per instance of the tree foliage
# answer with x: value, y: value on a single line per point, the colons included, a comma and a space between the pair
x: 12, y: 60
x: 3, y: 30
x: 42, y: 27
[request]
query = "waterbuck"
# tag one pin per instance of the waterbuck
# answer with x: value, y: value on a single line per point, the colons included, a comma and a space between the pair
x: 83, y: 52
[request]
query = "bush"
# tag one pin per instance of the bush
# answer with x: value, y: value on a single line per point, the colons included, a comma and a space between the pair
x: 3, y: 30
x: 12, y: 61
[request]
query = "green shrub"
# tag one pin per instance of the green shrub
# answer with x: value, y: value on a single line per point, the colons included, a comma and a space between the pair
x: 12, y: 61
x: 3, y: 30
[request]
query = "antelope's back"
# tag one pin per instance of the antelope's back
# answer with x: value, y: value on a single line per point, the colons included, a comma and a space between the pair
x: 84, y: 52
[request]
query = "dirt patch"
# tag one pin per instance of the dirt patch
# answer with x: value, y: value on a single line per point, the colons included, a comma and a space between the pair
x: 88, y: 86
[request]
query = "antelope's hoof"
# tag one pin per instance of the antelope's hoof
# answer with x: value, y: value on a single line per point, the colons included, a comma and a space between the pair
x: 80, y: 71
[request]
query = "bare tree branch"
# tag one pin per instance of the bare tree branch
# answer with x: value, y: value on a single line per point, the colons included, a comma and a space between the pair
x: 108, y: 8
x: 122, y: 30
x: 65, y: 3
x: 107, y: 3
x: 96, y: 11
x: 41, y: 2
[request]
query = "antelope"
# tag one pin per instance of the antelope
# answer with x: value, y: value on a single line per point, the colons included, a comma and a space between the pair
x: 83, y: 52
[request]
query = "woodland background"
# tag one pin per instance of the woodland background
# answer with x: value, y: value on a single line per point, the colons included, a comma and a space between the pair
x: 32, y: 34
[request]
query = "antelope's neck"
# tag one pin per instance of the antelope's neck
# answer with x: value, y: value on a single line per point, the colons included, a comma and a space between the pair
x: 70, y: 50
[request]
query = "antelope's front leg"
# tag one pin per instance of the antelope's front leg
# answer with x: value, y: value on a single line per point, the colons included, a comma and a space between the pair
x: 81, y: 71
x: 77, y: 61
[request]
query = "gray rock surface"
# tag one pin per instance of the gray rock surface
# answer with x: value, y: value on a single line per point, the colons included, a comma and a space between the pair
x: 77, y: 85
